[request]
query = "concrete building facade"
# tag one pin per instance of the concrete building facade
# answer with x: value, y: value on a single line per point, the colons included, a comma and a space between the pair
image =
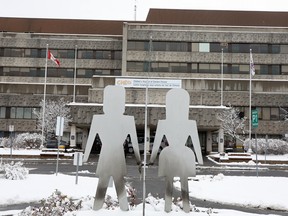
x: 205, y: 54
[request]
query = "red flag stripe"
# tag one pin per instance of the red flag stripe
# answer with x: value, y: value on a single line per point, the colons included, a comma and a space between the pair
x: 51, y: 57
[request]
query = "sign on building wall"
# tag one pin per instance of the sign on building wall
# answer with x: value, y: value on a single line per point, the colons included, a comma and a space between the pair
x: 152, y: 83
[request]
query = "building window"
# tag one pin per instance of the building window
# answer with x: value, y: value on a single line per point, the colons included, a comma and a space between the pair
x: 266, y: 113
x: 117, y: 55
x: 284, y: 69
x: 195, y: 47
x: 204, y: 47
x: 2, y: 112
x: 135, y: 66
x: 138, y: 45
x: 275, y: 69
x: 284, y: 48
x: 85, y: 54
x: 22, y: 113
x: 209, y: 68
x: 274, y: 114
x: 103, y: 54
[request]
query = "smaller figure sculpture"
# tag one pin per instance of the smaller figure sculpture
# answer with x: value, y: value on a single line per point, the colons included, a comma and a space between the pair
x: 112, y: 128
x: 177, y: 160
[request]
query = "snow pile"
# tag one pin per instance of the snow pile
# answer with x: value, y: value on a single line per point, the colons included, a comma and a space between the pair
x: 255, y: 192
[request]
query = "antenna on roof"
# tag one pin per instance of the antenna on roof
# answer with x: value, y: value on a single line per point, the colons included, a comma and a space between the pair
x: 135, y: 10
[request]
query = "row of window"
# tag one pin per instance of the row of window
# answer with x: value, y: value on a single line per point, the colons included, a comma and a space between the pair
x: 17, y: 112
x: 204, y: 68
x: 206, y: 47
x: 265, y: 113
x: 55, y: 72
x: 146, y: 46
x: 70, y: 54
x: 172, y: 67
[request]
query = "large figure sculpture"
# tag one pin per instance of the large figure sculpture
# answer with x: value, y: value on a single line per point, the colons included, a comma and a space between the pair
x: 112, y: 128
x: 177, y: 160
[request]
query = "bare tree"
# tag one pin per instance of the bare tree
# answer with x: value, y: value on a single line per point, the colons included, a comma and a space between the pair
x: 52, y: 110
x: 232, y: 123
x: 284, y: 113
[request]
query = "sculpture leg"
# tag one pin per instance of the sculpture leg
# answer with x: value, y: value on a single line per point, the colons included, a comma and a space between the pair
x: 168, y: 194
x: 121, y: 193
x: 100, y: 192
x: 185, y: 194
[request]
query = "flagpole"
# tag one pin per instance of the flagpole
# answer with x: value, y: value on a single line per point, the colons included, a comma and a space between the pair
x: 250, y: 99
x: 44, y: 97
x: 222, y: 76
x: 75, y: 75
x: 145, y: 129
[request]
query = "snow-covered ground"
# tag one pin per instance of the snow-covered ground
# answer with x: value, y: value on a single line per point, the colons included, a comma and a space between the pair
x: 261, y: 192
x: 255, y: 192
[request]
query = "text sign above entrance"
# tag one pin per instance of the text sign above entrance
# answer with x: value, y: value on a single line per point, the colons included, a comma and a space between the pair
x: 254, y: 118
x: 152, y: 83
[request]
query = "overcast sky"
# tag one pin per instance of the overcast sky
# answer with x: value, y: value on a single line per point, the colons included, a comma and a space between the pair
x: 124, y: 9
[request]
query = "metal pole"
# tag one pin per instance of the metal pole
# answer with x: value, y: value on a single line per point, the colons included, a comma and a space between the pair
x: 77, y: 167
x: 256, y: 153
x: 266, y: 147
x: 145, y: 133
x: 250, y: 98
x: 75, y: 74
x: 44, y: 97
x: 222, y: 57
x: 10, y: 144
x: 57, y: 156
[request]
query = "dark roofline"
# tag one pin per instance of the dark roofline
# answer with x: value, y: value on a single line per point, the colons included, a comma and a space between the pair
x: 218, y: 17
x: 61, y: 26
x: 155, y: 16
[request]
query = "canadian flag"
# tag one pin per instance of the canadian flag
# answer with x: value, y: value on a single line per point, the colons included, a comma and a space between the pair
x: 51, y: 57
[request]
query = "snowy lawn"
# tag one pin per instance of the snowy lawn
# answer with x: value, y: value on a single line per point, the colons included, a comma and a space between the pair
x: 256, y: 192
x: 261, y: 192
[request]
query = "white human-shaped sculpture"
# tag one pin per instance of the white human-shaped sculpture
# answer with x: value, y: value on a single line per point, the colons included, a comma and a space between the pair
x: 112, y: 128
x: 177, y: 160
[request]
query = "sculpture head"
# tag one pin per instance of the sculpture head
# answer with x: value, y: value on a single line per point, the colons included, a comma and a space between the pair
x: 114, y: 100
x: 177, y: 104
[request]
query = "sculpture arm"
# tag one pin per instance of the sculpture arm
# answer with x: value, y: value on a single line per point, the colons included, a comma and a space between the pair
x: 90, y: 140
x: 196, y: 142
x: 157, y: 141
x: 134, y: 140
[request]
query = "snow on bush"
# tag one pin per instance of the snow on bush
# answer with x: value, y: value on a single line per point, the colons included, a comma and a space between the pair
x: 177, y: 205
x: 56, y: 204
x: 273, y: 146
x: 5, y: 142
x: 28, y: 141
x: 24, y: 140
x: 14, y: 171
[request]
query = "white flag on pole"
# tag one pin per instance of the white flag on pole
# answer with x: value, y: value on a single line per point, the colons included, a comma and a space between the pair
x: 252, y: 68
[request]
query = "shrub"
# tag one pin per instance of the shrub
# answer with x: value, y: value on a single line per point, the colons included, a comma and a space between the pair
x: 14, y: 171
x: 57, y: 204
x: 27, y: 140
x: 5, y: 142
x: 273, y: 146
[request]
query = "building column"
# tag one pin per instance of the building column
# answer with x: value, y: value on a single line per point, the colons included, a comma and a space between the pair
x: 73, y: 136
x: 221, y: 141
x: 209, y: 142
x: 84, y: 138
